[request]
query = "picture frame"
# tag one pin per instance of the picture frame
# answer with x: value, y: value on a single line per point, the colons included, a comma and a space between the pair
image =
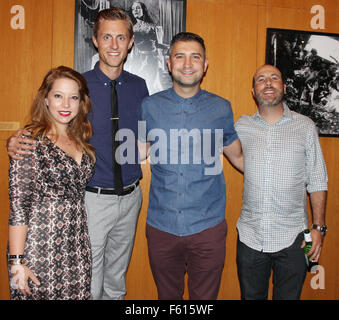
x: 153, y: 31
x: 309, y: 63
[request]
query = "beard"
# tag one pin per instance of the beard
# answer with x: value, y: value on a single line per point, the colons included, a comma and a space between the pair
x: 187, y: 84
x: 263, y: 101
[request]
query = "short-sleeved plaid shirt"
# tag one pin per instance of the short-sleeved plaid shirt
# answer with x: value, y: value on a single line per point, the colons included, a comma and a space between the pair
x: 283, y: 162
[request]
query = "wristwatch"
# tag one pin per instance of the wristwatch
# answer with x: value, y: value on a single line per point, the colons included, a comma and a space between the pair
x: 322, y: 229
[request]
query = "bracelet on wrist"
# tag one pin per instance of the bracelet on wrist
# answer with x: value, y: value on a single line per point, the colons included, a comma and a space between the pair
x: 15, y: 256
x: 15, y: 262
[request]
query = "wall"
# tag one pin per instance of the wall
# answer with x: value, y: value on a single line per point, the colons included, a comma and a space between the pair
x: 235, y: 33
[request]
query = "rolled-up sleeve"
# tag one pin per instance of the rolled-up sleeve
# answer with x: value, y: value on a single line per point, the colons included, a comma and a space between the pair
x: 230, y: 134
x: 315, y: 164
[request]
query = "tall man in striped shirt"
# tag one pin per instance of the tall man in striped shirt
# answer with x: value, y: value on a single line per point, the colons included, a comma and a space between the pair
x: 283, y: 162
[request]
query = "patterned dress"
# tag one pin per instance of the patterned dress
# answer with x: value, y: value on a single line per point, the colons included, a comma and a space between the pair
x: 47, y: 193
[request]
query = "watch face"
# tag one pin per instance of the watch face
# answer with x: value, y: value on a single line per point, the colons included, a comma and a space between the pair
x: 323, y: 229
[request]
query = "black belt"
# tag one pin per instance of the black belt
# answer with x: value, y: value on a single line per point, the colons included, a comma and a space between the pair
x: 125, y: 192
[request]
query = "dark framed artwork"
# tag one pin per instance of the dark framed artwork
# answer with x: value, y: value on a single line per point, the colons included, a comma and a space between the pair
x: 309, y: 63
x: 155, y: 23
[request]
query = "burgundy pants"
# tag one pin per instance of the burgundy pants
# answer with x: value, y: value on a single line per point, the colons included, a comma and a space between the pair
x: 201, y: 255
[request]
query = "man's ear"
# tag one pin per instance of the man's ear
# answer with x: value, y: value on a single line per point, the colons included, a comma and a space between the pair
x: 94, y: 39
x: 206, y: 64
x: 131, y: 41
x: 169, y: 64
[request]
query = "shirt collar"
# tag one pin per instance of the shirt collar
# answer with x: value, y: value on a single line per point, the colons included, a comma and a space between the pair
x: 286, y: 114
x: 181, y: 99
x: 105, y: 80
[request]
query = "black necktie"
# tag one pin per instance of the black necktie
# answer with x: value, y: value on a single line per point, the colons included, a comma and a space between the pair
x: 117, y: 176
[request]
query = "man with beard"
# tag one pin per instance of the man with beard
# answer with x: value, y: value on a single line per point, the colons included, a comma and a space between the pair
x: 282, y: 163
x: 186, y: 227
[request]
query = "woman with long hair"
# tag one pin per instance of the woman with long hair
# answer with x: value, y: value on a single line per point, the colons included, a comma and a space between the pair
x: 147, y: 53
x: 49, y: 254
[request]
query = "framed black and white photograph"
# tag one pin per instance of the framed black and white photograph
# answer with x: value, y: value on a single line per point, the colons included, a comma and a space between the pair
x: 155, y: 22
x: 309, y: 63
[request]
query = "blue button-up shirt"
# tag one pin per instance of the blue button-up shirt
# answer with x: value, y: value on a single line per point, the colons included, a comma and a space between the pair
x: 131, y: 90
x: 187, y: 193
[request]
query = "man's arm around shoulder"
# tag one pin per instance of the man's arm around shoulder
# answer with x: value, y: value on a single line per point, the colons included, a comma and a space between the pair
x: 18, y: 145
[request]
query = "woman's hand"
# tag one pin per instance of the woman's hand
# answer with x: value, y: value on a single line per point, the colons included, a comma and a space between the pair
x: 19, y: 278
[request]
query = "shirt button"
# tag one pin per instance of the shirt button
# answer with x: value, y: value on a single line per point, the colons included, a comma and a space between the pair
x: 180, y: 211
x: 181, y: 174
x: 180, y: 193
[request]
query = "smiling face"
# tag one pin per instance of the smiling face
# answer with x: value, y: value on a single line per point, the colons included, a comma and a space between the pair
x: 188, y: 64
x: 113, y: 42
x: 63, y: 101
x: 268, y: 87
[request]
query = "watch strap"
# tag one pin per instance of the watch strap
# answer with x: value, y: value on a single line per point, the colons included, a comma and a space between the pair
x: 322, y: 229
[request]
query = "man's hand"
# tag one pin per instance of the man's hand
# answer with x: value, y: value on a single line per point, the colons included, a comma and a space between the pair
x: 318, y: 205
x: 317, y: 241
x: 18, y: 146
x: 144, y: 150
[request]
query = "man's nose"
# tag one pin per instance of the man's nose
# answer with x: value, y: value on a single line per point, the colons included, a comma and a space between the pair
x: 187, y: 62
x: 114, y: 43
x: 268, y: 82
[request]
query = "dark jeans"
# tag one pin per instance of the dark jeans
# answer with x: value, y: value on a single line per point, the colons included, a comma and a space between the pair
x: 254, y: 271
x: 202, y: 255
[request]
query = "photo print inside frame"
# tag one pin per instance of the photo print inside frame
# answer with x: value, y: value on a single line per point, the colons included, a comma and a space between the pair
x: 309, y: 63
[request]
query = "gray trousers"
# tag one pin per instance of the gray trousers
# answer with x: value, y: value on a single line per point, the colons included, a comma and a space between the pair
x: 112, y: 222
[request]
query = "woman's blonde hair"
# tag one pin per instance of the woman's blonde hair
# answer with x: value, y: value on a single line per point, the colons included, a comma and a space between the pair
x: 79, y: 128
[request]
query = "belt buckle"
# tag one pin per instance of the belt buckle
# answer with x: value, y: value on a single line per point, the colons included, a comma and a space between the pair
x: 130, y: 188
x: 134, y: 186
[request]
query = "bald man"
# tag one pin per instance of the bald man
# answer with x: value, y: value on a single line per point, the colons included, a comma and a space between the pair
x: 283, y: 162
